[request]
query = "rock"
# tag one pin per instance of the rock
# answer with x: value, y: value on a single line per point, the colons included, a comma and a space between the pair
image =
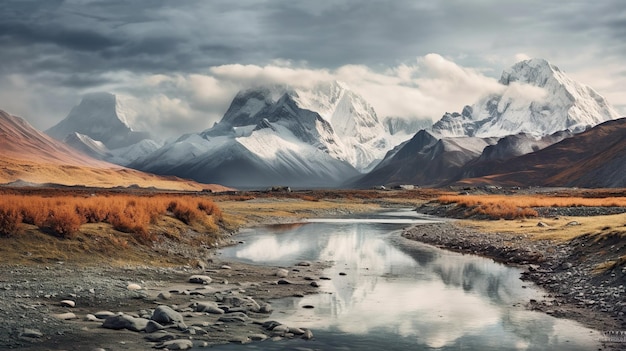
x: 280, y: 330
x: 269, y: 325
x: 324, y: 278
x: 30, y: 333
x: 133, y: 286
x: 104, y: 314
x: 92, y: 318
x: 308, y: 335
x: 68, y: 303
x: 296, y: 331
x: 166, y: 315
x: 207, y: 306
x: 258, y: 337
x: 125, y: 321
x: 281, y: 273
x: 237, y: 317
x: 284, y: 282
x: 200, y: 279
x: 266, y: 308
x: 572, y: 223
x: 315, y: 284
x: 178, y: 344
x: 226, y: 267
x: 153, y: 326
x: 240, y: 340
x: 65, y: 316
x: 304, y: 264
x: 159, y: 336
x: 308, y: 306
x: 542, y: 224
x: 343, y: 273
x: 164, y: 295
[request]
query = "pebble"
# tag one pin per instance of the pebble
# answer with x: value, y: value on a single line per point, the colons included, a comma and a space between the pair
x: 164, y: 295
x: 31, y: 333
x: 177, y: 344
x: 133, y: 286
x: 65, y: 316
x: 68, y: 303
x: 200, y: 279
x: 284, y: 282
x: 281, y: 273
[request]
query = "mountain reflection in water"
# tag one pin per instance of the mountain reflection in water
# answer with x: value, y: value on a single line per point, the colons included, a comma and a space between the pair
x: 397, y: 296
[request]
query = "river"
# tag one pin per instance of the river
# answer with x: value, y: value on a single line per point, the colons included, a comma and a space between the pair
x: 386, y: 293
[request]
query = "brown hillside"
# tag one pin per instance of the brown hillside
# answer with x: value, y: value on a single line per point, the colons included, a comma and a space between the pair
x: 29, y: 155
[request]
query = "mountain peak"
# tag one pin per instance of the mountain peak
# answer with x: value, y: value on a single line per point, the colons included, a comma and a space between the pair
x: 536, y: 98
x: 101, y: 116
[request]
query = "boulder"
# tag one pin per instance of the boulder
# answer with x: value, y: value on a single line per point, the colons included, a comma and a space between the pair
x: 166, y: 315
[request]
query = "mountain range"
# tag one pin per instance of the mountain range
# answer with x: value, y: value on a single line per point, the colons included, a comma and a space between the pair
x: 328, y: 136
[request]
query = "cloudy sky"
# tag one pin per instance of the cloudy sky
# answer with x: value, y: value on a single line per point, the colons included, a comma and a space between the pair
x: 178, y: 64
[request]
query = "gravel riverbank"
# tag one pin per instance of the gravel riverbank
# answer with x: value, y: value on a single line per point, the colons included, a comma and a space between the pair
x: 69, y: 307
x: 567, y: 271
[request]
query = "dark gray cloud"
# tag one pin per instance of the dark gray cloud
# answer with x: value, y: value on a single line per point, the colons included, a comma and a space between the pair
x: 78, y: 45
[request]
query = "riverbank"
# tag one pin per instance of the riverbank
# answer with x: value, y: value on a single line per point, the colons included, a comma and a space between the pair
x: 59, y: 297
x: 574, y: 273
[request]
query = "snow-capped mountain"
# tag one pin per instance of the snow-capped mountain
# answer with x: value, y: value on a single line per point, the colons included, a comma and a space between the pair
x: 537, y: 98
x: 402, y: 125
x: 102, y: 118
x: 319, y: 136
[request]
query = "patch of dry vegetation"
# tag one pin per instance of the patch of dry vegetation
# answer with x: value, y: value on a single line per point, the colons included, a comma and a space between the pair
x: 521, y: 206
x: 63, y: 215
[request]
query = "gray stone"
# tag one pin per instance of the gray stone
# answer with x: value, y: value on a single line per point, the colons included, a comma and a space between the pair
x: 159, y: 336
x: 31, y: 333
x: 308, y: 335
x: 91, y: 318
x: 68, y: 303
x: 237, y: 317
x: 281, y: 273
x: 304, y: 264
x: 284, y: 282
x: 153, y: 326
x: 266, y: 308
x: 542, y: 224
x: 65, y: 316
x: 125, y: 321
x: 200, y: 279
x: 315, y: 284
x: 165, y: 295
x: 103, y: 314
x: 166, y: 315
x: 178, y: 344
x: 207, y: 306
x: 258, y: 337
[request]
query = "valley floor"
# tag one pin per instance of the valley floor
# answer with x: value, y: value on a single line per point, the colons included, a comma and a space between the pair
x: 578, y: 260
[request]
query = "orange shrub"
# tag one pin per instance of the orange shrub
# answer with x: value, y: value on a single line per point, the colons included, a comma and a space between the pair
x: 210, y: 208
x: 62, y: 214
x: 63, y: 221
x: 10, y: 220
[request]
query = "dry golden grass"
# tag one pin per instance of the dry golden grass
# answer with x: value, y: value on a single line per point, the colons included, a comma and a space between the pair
x: 556, y: 229
x: 525, y: 201
x: 63, y: 215
x: 521, y: 206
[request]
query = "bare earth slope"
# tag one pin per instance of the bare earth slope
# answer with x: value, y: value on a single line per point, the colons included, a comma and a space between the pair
x: 29, y: 155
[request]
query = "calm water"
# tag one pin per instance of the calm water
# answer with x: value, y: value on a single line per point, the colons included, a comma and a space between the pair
x: 398, y: 297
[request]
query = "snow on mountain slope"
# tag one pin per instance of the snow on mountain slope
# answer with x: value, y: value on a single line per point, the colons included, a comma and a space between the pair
x: 101, y: 117
x: 537, y: 98
x: 328, y: 116
x: 93, y: 148
x: 322, y: 135
x: 126, y: 155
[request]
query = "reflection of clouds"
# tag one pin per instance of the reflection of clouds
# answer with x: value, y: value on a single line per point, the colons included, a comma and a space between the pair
x: 268, y: 248
x: 441, y: 299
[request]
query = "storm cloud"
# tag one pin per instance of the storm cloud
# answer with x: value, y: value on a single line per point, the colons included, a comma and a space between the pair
x: 184, y: 61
